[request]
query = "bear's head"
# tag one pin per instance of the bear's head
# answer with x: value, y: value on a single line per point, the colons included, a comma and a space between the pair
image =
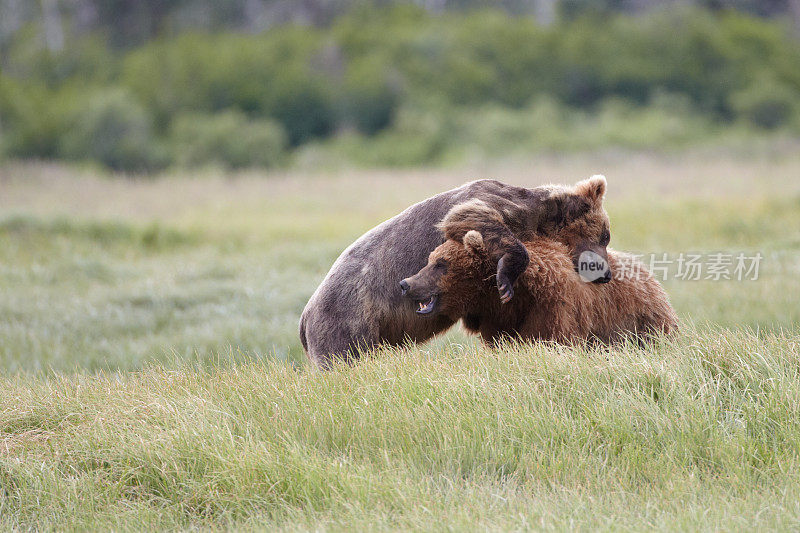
x: 454, y: 278
x: 577, y: 218
x: 458, y: 269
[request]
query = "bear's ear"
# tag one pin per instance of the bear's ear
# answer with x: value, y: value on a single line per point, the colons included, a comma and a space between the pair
x: 592, y: 189
x: 473, y: 242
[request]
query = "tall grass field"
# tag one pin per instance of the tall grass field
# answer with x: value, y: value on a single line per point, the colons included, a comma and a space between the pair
x: 152, y: 375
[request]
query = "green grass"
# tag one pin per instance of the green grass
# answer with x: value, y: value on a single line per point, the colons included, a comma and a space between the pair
x: 152, y: 375
x: 702, y: 432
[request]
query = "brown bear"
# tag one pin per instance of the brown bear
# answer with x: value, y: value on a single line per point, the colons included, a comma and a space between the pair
x: 552, y: 302
x: 359, y: 304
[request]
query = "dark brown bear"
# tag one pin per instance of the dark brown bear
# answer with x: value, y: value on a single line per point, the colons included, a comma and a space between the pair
x: 359, y: 303
x: 552, y: 302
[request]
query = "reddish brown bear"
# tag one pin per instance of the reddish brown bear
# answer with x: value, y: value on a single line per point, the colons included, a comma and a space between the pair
x: 551, y: 302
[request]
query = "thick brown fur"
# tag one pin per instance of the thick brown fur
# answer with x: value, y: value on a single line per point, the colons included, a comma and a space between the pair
x: 551, y: 302
x: 576, y: 217
x: 359, y: 304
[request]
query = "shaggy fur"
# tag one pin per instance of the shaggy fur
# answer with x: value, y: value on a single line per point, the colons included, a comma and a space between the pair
x: 359, y: 303
x: 551, y: 302
x: 581, y: 223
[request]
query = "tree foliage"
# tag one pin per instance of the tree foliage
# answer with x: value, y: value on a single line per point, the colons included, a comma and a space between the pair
x: 385, y: 74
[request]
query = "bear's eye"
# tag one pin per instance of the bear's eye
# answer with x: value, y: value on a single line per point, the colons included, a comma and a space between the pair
x: 605, y: 238
x: 441, y: 264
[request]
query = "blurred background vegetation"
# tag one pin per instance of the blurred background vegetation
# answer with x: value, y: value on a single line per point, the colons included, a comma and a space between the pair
x: 142, y: 86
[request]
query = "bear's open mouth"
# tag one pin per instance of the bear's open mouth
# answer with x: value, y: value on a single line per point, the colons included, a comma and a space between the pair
x: 427, y: 306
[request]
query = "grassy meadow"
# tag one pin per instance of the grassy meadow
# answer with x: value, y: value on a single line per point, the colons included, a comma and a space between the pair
x: 152, y: 376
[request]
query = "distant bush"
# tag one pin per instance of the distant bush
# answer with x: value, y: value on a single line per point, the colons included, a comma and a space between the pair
x: 228, y: 139
x: 304, y: 107
x: 493, y: 130
x: 32, y: 118
x: 111, y: 127
x: 367, y: 100
x: 767, y: 103
x: 401, y: 86
x: 267, y: 76
x: 548, y: 125
x: 418, y: 138
x: 444, y: 135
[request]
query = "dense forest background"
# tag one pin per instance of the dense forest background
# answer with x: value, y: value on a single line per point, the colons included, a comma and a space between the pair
x: 152, y: 84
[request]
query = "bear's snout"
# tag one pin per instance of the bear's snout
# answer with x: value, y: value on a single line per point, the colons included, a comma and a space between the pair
x: 404, y: 287
x: 605, y: 278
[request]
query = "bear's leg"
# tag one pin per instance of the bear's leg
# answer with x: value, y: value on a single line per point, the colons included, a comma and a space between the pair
x: 331, y: 337
x: 509, y: 268
x: 339, y: 348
